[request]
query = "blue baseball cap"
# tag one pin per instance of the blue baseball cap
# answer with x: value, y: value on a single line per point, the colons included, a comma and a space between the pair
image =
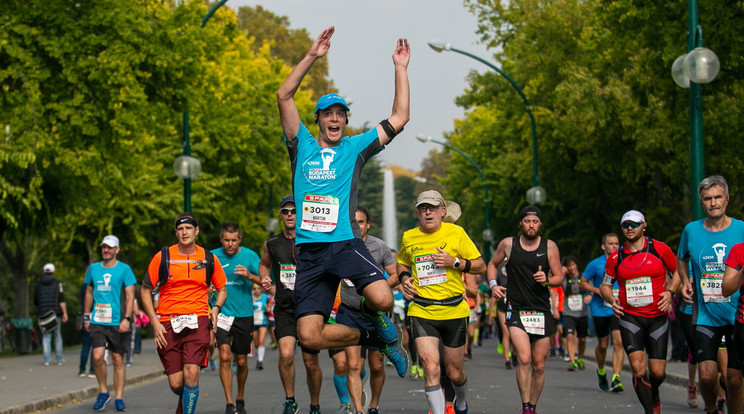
x: 326, y: 101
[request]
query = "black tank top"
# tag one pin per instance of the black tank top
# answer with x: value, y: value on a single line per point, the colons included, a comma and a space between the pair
x: 522, y: 291
x: 281, y: 252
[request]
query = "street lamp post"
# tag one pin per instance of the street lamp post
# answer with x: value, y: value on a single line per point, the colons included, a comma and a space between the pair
x: 186, y: 166
x: 699, y: 65
x: 537, y: 193
x: 487, y: 232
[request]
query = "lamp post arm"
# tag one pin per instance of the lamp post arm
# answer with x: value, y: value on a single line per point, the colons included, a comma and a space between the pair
x: 527, y: 106
x: 211, y: 12
x: 480, y: 172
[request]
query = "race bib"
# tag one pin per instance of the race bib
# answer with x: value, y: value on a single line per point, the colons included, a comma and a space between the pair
x: 225, y: 322
x: 616, y: 295
x: 533, y: 322
x: 180, y: 322
x: 319, y: 213
x: 103, y: 313
x: 710, y: 286
x: 575, y: 302
x: 287, y: 275
x: 258, y: 316
x: 428, y: 273
x: 639, y: 292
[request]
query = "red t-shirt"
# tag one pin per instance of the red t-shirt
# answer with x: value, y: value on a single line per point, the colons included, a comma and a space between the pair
x: 735, y: 259
x: 642, y: 278
x: 185, y: 292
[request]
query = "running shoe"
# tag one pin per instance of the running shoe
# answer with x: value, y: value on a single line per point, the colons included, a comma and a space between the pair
x: 240, y: 406
x: 119, y: 404
x: 81, y: 374
x: 373, y: 411
x: 566, y: 358
x: 449, y: 409
x: 230, y: 409
x: 398, y: 356
x: 101, y: 401
x: 692, y: 400
x: 616, y: 385
x: 414, y: 371
x: 211, y: 364
x: 657, y: 405
x: 91, y: 374
x: 602, y: 382
x: 501, y: 349
x: 580, y: 363
x: 421, y: 373
x: 508, y: 365
x: 314, y: 409
x: 46, y: 364
x: 552, y: 354
x: 385, y: 328
x: 259, y: 365
x: 721, y: 404
x: 572, y: 366
x: 290, y: 407
x: 345, y: 409
x: 465, y: 411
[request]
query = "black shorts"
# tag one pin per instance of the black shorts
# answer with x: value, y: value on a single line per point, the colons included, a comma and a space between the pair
x: 685, y: 321
x: 548, y: 328
x: 708, y: 341
x: 321, y: 266
x: 109, y: 337
x: 605, y: 324
x: 576, y: 325
x: 239, y: 336
x: 286, y: 325
x: 355, y: 320
x: 452, y: 332
x: 643, y: 333
x: 501, y: 305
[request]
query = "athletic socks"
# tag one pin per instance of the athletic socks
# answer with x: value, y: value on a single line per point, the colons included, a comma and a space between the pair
x: 642, y: 388
x: 602, y: 372
x: 435, y: 397
x: 261, y: 352
x: 190, y: 396
x: 341, y: 389
x: 460, y: 391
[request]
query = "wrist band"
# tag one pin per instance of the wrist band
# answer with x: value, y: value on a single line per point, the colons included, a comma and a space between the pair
x: 402, y: 275
x: 466, y: 268
x: 492, y: 283
x: 86, y: 317
x: 218, y: 307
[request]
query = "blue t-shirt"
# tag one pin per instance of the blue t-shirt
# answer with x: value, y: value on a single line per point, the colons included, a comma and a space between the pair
x: 594, y: 273
x: 325, y: 182
x: 239, y: 298
x: 107, y: 283
x: 706, y: 251
x: 259, y: 310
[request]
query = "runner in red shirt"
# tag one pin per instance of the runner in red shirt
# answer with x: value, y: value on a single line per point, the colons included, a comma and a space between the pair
x: 642, y: 268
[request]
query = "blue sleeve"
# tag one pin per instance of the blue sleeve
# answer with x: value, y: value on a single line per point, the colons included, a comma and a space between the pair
x: 683, y: 251
x: 129, y: 278
x: 254, y: 262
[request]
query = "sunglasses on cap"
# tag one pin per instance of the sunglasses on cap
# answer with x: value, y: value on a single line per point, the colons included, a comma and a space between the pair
x: 288, y: 211
x: 630, y: 224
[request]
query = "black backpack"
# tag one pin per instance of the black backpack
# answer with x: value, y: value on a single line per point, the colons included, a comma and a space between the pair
x: 649, y: 248
x: 165, y: 262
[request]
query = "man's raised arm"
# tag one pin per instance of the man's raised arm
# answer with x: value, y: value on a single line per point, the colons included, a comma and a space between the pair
x: 402, y: 101
x: 288, y: 113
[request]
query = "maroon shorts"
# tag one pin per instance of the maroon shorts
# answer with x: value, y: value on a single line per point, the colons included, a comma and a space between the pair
x: 190, y: 346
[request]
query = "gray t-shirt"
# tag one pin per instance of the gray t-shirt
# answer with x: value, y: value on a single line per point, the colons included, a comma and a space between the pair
x: 384, y: 258
x: 573, y: 298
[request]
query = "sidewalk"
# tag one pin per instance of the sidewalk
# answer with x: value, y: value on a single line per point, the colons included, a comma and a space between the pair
x: 26, y: 386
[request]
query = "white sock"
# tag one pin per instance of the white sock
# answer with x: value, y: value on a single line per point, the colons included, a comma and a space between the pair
x: 460, y: 391
x: 435, y: 397
x: 261, y: 351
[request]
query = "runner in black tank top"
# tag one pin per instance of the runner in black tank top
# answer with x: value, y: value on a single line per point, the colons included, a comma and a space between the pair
x: 522, y: 291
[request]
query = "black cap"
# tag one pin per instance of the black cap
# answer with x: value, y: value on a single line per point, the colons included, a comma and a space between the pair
x: 289, y: 198
x: 530, y: 211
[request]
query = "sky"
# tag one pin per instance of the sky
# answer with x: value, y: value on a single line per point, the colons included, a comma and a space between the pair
x: 360, y: 61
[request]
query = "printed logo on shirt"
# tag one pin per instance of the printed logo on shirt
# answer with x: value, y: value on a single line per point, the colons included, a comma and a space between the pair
x: 319, y: 172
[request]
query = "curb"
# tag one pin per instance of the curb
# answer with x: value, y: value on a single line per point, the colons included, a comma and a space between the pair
x: 59, y: 400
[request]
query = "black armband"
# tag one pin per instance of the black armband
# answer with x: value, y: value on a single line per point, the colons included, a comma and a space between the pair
x: 466, y: 268
x: 388, y: 128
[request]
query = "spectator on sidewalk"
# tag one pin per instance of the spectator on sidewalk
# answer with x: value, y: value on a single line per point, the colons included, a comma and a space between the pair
x: 49, y: 299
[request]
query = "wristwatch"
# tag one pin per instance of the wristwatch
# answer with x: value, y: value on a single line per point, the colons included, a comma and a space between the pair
x: 457, y: 263
x: 129, y: 318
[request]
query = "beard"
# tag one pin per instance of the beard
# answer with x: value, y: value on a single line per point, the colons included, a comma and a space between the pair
x: 531, y: 236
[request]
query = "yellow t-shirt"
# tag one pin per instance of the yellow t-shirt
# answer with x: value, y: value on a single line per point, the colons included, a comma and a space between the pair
x: 434, y: 282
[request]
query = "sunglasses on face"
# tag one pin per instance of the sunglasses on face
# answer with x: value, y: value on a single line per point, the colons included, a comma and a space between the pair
x: 629, y: 225
x: 426, y: 207
x: 288, y: 211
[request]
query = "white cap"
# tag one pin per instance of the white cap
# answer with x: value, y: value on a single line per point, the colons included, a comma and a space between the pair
x: 633, y: 215
x: 110, y: 241
x: 48, y: 268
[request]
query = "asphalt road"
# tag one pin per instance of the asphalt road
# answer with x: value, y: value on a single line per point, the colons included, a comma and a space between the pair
x: 492, y: 389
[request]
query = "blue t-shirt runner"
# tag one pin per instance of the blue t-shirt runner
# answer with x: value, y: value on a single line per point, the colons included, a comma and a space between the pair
x: 108, y: 284
x: 239, y: 301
